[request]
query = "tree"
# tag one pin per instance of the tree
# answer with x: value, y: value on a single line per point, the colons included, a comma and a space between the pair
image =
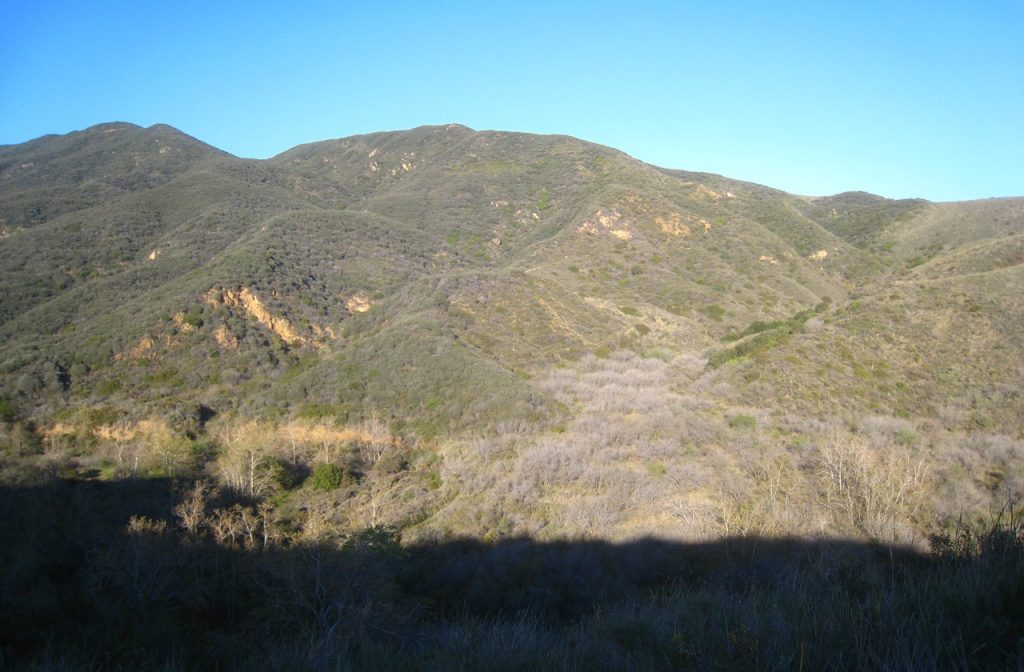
x: 245, y: 460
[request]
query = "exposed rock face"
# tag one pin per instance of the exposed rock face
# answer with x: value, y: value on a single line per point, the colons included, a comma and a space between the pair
x: 183, y: 326
x: 323, y: 333
x: 526, y: 217
x: 705, y: 191
x: 251, y: 304
x: 622, y: 221
x: 820, y: 255
x: 603, y: 218
x: 225, y: 338
x: 673, y: 225
x: 358, y: 303
x: 146, y: 346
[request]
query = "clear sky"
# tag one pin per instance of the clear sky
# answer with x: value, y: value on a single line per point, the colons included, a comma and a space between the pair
x: 898, y: 98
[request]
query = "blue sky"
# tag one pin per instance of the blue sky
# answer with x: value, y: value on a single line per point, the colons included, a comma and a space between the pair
x: 898, y: 98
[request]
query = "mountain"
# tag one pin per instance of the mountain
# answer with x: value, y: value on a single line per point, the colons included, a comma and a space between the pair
x: 453, y: 367
x: 448, y: 284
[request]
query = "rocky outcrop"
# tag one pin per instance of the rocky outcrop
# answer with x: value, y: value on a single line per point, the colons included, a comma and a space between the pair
x: 672, y: 225
x: 225, y: 338
x: 184, y: 325
x: 146, y: 347
x: 358, y: 303
x: 245, y: 300
x: 604, y: 219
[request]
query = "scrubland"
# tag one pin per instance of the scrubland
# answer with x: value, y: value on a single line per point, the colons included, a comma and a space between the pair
x: 442, y: 399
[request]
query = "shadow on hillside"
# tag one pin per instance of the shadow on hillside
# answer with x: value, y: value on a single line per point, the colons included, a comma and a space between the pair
x: 75, y: 577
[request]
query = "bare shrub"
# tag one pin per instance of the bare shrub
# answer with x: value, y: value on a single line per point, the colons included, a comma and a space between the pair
x: 882, y: 426
x: 876, y: 490
x: 690, y: 364
x: 696, y: 517
x: 244, y: 460
x: 802, y: 424
x: 191, y: 511
x: 377, y: 440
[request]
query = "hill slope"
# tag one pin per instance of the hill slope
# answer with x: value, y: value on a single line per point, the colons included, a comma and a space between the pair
x: 533, y: 311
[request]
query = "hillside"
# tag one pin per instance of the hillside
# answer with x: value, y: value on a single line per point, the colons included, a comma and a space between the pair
x: 492, y: 345
x: 446, y: 285
x: 492, y: 255
x: 501, y: 254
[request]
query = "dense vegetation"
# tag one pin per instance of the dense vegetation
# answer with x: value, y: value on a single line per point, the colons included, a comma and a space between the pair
x: 440, y: 398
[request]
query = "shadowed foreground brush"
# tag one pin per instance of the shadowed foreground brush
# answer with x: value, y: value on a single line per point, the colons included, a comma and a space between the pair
x: 121, y: 579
